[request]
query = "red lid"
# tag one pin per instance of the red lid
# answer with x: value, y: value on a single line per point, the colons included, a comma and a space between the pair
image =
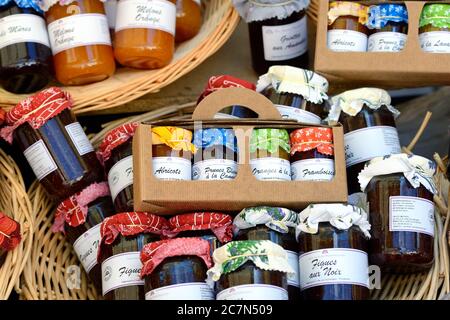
x: 307, y: 139
x: 9, y: 233
x: 155, y: 252
x: 115, y: 138
x: 225, y: 81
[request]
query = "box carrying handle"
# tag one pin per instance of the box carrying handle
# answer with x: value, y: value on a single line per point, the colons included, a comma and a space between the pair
x: 223, y: 98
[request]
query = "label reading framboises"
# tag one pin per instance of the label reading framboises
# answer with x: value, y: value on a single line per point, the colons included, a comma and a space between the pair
x: 313, y: 170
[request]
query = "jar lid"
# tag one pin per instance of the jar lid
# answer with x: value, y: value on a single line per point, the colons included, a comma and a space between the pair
x: 381, y: 14
x: 277, y: 219
x: 339, y: 215
x: 258, y: 10
x: 206, y: 138
x: 307, y: 139
x: 45, y: 5
x: 10, y: 236
x: 346, y: 8
x: 437, y: 15
x: 116, y: 138
x: 351, y: 102
x: 24, y: 4
x: 219, y: 223
x: 74, y: 209
x: 270, y: 140
x: 225, y: 81
x: 265, y: 254
x: 174, y: 137
x: 36, y: 110
x: 287, y: 79
x: 416, y: 169
x: 155, y: 252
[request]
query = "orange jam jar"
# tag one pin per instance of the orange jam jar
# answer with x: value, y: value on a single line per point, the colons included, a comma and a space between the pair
x: 189, y: 19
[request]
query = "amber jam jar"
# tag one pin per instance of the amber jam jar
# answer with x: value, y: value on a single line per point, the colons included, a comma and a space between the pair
x: 80, y: 217
x: 269, y: 154
x: 189, y: 19
x: 116, y: 153
x: 346, y: 26
x: 54, y: 143
x: 389, y: 27
x: 277, y: 225
x: 119, y: 252
x: 434, y: 28
x: 80, y: 41
x: 401, y: 212
x: 11, y: 236
x: 25, y: 54
x: 332, y: 242
x: 145, y: 32
x: 175, y: 269
x: 298, y: 94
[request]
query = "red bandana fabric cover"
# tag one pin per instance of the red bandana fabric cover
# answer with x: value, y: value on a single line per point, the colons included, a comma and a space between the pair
x: 312, y: 138
x: 115, y: 138
x: 225, y: 81
x: 9, y: 233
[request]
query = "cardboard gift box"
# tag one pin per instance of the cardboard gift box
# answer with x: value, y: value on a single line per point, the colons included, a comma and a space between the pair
x: 169, y: 197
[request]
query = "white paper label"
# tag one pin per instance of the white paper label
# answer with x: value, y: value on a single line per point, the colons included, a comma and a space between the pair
x: 313, y: 170
x: 120, y: 176
x: 214, y: 169
x: 150, y: 14
x: 19, y: 28
x: 79, y: 138
x: 300, y: 115
x: 334, y: 266
x: 40, y: 159
x: 285, y: 42
x: 347, y: 40
x: 79, y: 30
x: 172, y: 168
x: 293, y: 278
x: 387, y: 42
x: 435, y: 41
x: 86, y: 247
x: 253, y: 292
x: 364, y: 144
x: 182, y: 291
x: 271, y: 169
x: 121, y: 270
x: 111, y: 13
x: 411, y: 214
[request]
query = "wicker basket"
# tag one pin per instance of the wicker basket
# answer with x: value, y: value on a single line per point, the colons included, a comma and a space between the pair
x: 220, y: 20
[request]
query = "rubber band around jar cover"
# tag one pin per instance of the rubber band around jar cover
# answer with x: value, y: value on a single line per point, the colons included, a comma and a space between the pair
x: 173, y: 137
x: 10, y: 235
x: 116, y: 138
x: 345, y: 8
x: 307, y: 139
x: 436, y: 15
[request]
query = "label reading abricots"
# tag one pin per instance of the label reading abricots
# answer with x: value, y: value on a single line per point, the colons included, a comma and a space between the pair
x: 172, y: 168
x: 19, y: 28
x: 347, y: 40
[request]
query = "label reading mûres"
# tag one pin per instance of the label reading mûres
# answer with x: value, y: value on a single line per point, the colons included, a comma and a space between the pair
x: 271, y: 169
x: 285, y: 42
x: 153, y: 14
x: 86, y: 247
x: 214, y: 169
x: 364, y: 144
x: 347, y: 40
x: 411, y: 214
x: 120, y: 176
x: 40, y: 159
x: 293, y: 278
x: 387, y: 42
x: 121, y: 270
x: 253, y: 292
x: 182, y: 291
x: 79, y: 30
x: 300, y: 115
x: 333, y: 266
x: 435, y: 41
x: 172, y: 168
x: 79, y: 138
x: 313, y: 170
x: 19, y: 28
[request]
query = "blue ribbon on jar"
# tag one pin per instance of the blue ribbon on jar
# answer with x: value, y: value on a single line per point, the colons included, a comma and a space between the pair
x: 381, y: 14
x: 24, y: 4
x: 215, y: 137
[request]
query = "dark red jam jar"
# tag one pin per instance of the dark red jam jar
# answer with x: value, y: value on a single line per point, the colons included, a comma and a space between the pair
x: 10, y: 236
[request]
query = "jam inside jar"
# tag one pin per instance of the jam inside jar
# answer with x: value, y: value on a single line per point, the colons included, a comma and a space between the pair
x: 434, y: 28
x: 189, y: 19
x: 11, y: 238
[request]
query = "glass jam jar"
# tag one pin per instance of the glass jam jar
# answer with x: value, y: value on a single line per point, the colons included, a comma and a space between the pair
x: 189, y: 19
x: 216, y: 156
x: 80, y: 218
x: 25, y: 54
x: 312, y: 154
x: 80, y: 41
x: 346, y: 26
x: 400, y: 192
x: 277, y: 31
x: 54, y: 143
x: 389, y: 27
x: 175, y: 269
x: 172, y: 151
x: 145, y: 32
x: 119, y: 252
x: 298, y: 94
x: 10, y: 236
x: 269, y: 154
x: 332, y: 242
x: 116, y: 153
x: 277, y: 225
x: 434, y: 28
